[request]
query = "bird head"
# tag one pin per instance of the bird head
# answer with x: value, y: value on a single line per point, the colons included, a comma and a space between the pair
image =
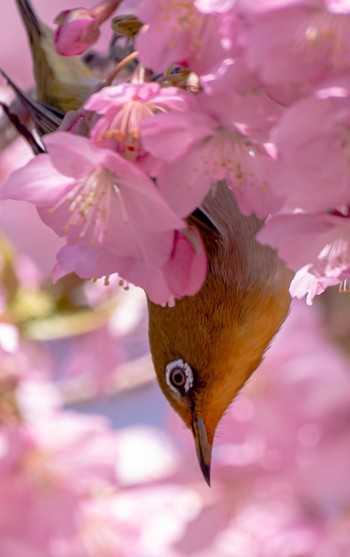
x: 207, y: 346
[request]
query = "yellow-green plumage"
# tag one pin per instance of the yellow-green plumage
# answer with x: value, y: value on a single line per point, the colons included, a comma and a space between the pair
x: 62, y: 83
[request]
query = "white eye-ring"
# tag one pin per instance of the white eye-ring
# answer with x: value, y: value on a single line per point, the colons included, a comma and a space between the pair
x: 179, y: 376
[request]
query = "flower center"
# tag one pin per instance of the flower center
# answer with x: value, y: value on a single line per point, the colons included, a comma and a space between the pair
x: 227, y: 155
x: 89, y: 205
x: 125, y: 127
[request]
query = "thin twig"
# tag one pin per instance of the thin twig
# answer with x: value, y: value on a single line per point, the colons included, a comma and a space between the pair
x: 119, y: 67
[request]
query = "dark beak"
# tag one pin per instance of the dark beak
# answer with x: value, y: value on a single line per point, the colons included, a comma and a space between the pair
x: 203, y: 447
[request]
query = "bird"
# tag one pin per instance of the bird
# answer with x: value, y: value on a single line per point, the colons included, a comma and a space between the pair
x: 61, y: 83
x: 206, y: 346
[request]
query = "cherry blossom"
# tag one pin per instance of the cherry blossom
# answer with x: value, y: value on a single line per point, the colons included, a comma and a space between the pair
x: 218, y: 140
x: 178, y: 33
x: 298, y: 42
x: 123, y: 107
x: 92, y: 197
x: 47, y: 470
x: 312, y: 138
x: 308, y: 282
x: 322, y: 236
x: 316, y: 246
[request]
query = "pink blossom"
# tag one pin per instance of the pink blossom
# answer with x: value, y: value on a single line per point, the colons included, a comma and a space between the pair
x: 79, y: 28
x: 77, y: 31
x: 122, y: 107
x: 78, y: 122
x: 159, y: 282
x: 310, y: 284
x: 325, y: 240
x: 103, y: 205
x: 317, y: 246
x: 304, y: 43
x: 312, y: 139
x: 182, y: 275
x: 221, y: 139
x: 231, y: 73
x: 187, y: 266
x: 47, y: 470
x: 15, y: 155
x: 178, y: 33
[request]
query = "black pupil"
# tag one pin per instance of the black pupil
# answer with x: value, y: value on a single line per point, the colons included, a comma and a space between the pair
x: 178, y: 377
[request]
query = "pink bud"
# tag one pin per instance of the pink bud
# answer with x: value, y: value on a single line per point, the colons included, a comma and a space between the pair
x: 78, y: 29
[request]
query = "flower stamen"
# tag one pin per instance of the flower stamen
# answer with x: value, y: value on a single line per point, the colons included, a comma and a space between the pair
x: 89, y: 205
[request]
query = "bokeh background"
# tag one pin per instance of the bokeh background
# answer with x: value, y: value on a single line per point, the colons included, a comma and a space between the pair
x: 92, y: 461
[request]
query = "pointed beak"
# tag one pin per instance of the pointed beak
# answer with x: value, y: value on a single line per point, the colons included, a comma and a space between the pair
x: 203, y: 447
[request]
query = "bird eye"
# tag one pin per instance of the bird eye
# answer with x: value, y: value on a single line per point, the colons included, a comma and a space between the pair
x: 179, y: 376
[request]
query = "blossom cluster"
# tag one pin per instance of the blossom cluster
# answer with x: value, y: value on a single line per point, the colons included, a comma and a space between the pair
x: 255, y: 94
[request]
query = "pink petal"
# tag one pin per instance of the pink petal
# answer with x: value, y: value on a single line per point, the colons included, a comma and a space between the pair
x: 183, y: 185
x: 299, y: 238
x: 142, y: 199
x: 155, y: 247
x: 37, y: 182
x: 151, y: 279
x: 177, y: 34
x: 116, y: 95
x: 187, y: 268
x: 168, y: 136
x: 309, y: 285
x: 86, y: 261
x: 73, y: 155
